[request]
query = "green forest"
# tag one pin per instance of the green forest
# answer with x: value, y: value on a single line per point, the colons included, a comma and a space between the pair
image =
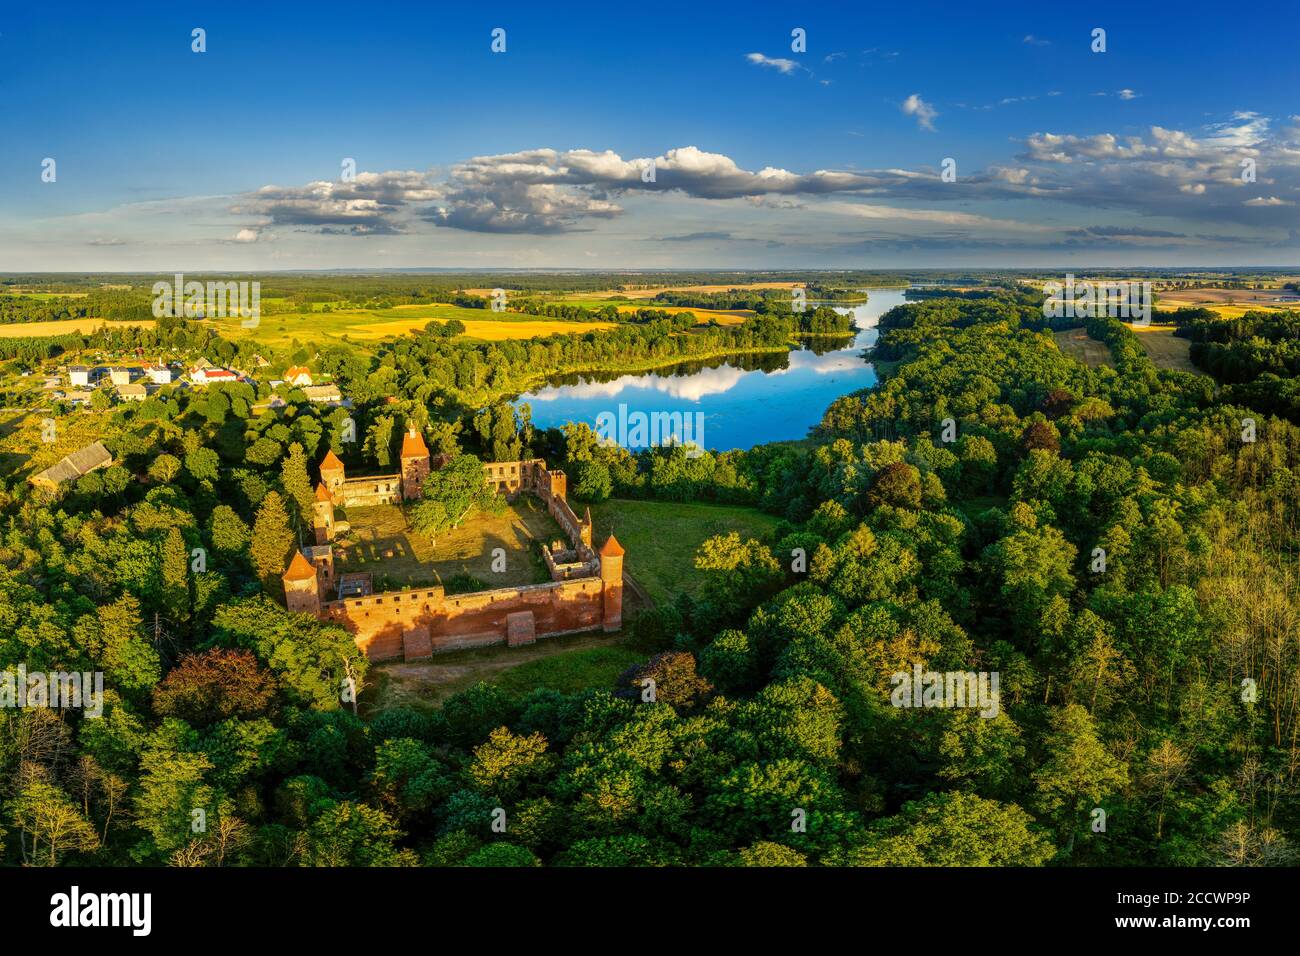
x: 1116, y: 544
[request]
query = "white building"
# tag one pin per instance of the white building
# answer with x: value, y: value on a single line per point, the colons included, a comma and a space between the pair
x: 159, y: 374
x: 213, y: 376
x: 82, y: 375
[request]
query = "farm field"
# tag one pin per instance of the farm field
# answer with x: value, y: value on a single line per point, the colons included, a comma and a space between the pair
x: 721, y: 316
x: 488, y: 330
x: 382, y: 540
x: 1166, y: 349
x: 661, y: 538
x: 365, y: 326
x: 1077, y: 344
x: 649, y: 292
x: 1229, y: 303
x: 44, y: 296
x: 21, y: 330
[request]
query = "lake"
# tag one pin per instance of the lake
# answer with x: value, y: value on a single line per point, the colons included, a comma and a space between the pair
x: 740, y: 401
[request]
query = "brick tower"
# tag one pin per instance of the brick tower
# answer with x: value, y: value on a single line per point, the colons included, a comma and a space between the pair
x: 415, y: 464
x: 331, y: 472
x: 301, y: 588
x: 611, y: 573
x: 323, y: 515
x: 559, y: 485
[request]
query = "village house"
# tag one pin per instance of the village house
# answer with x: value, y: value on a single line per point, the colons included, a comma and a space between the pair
x: 323, y: 394
x: 120, y: 376
x: 159, y: 374
x: 212, y: 376
x: 132, y: 393
x: 297, y: 375
x: 80, y: 462
x: 77, y: 397
x: 83, y: 375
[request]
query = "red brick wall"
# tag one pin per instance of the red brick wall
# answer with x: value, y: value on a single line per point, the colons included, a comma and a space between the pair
x: 379, y: 622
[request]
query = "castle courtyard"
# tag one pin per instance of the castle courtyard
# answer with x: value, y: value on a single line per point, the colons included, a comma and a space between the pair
x: 382, y: 542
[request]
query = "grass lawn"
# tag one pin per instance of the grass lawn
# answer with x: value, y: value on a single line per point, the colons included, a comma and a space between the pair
x: 566, y: 664
x: 661, y: 538
x: 382, y: 542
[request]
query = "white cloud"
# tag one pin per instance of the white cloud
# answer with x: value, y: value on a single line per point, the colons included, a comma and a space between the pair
x: 776, y: 63
x: 923, y: 111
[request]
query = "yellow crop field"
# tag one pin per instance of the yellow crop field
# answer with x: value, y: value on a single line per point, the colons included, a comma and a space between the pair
x: 488, y: 330
x: 1229, y: 303
x: 21, y: 330
x: 721, y: 316
x: 500, y: 331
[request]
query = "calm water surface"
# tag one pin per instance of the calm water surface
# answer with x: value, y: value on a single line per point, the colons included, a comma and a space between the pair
x: 745, y: 400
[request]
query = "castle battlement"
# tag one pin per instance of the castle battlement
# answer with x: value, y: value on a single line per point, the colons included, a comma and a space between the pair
x: 585, y: 592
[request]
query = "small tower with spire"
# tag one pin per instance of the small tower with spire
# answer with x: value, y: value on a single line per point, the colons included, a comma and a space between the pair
x: 611, y: 573
x: 323, y: 514
x: 331, y: 472
x: 415, y: 464
x: 301, y: 586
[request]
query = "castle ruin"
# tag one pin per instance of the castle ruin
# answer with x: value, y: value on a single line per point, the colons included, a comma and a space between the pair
x: 585, y: 592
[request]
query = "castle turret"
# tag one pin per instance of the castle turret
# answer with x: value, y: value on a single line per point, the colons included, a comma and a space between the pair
x: 331, y: 472
x: 415, y: 464
x: 611, y: 573
x: 301, y: 587
x: 323, y: 515
x: 559, y: 485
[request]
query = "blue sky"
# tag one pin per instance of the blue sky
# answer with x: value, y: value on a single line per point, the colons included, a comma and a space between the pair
x: 232, y: 158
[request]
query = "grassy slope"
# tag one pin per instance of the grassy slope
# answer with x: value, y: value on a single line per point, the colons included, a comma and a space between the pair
x: 661, y: 537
